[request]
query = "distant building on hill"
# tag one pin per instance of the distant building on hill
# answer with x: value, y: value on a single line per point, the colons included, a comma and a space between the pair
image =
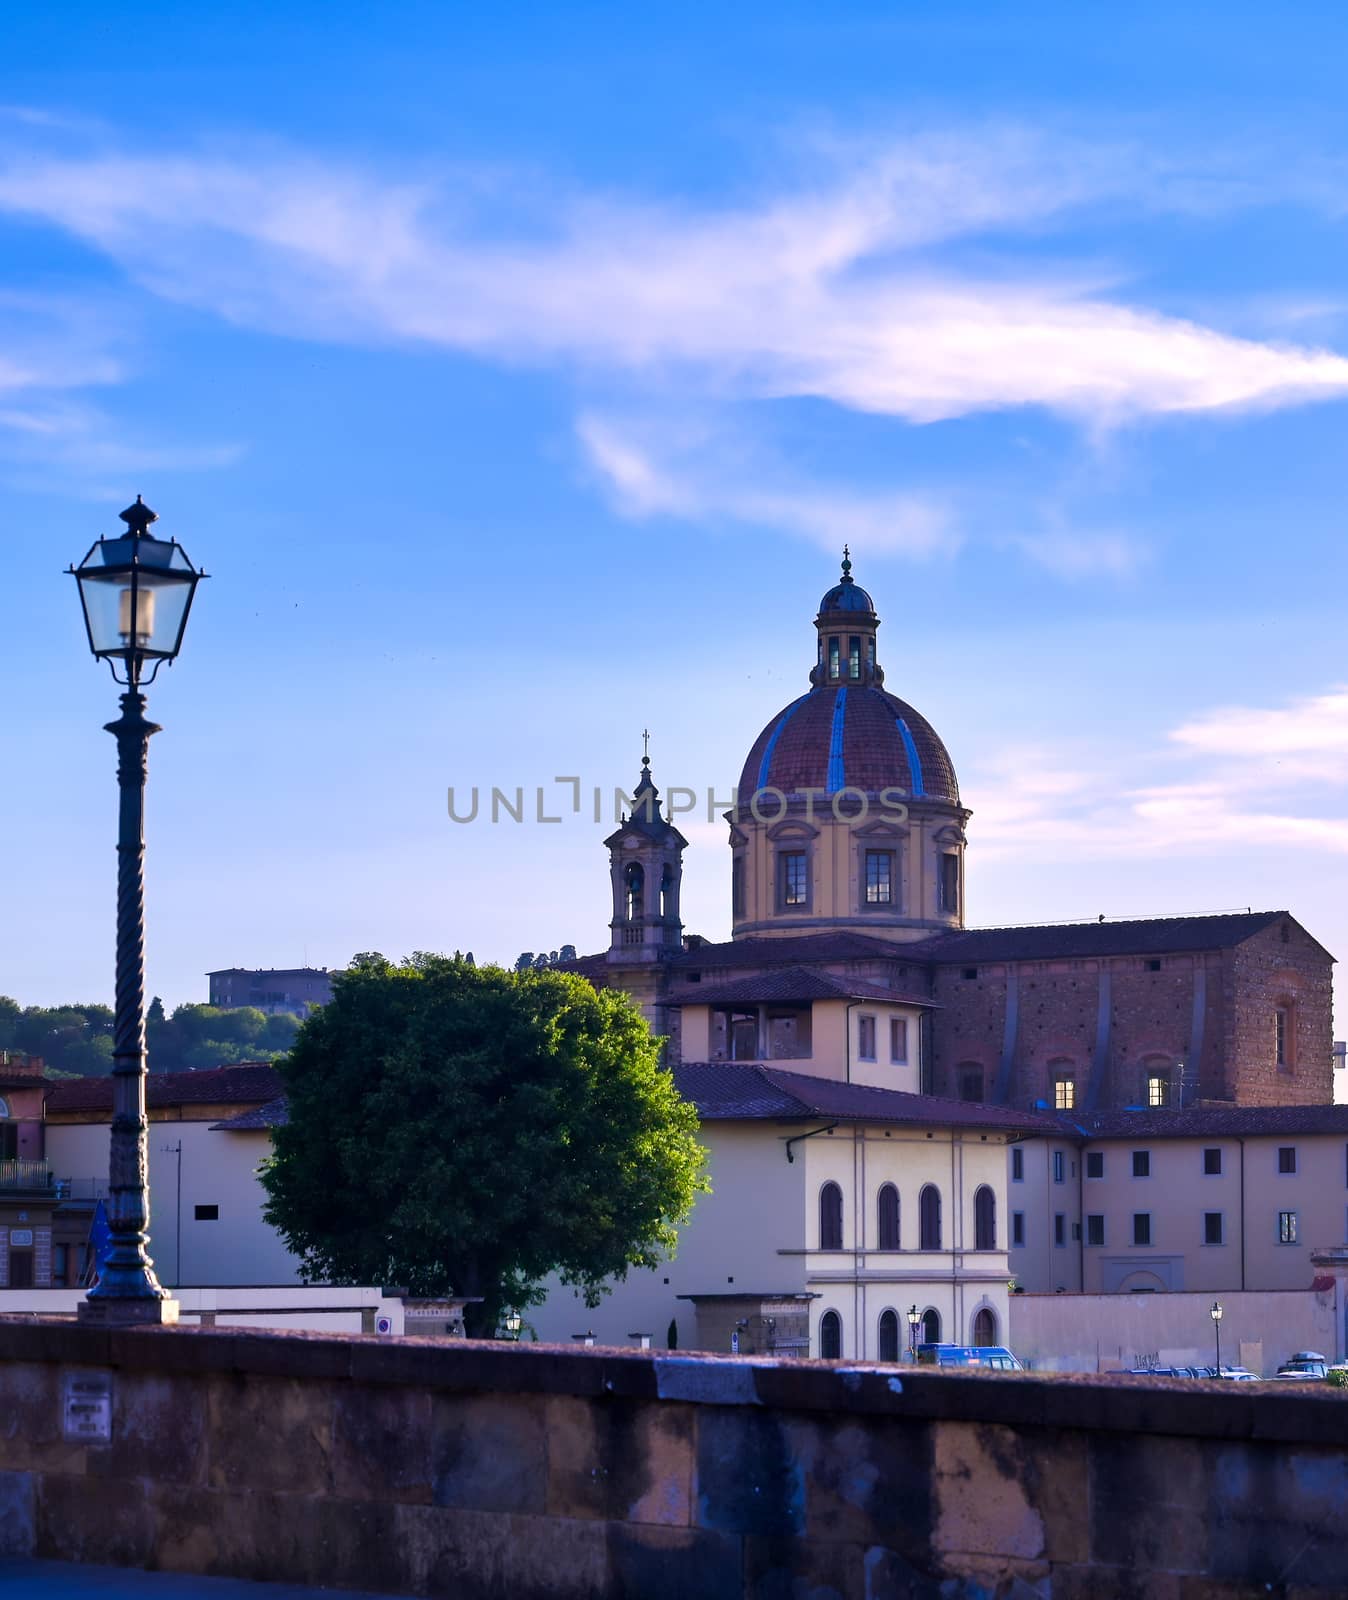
x: 271, y: 989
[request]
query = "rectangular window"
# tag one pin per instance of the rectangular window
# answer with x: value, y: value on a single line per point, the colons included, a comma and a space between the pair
x: 866, y: 1038
x: 1059, y: 1166
x: 737, y: 886
x: 898, y: 1039
x: 1158, y: 1090
x: 1212, y: 1227
x: 854, y: 658
x: 1059, y: 1228
x: 971, y: 1085
x: 834, y: 666
x: 1018, y: 1227
x: 879, y: 878
x: 1095, y: 1163
x: 1142, y: 1227
x: 1287, y: 1227
x: 1017, y: 1164
x: 206, y: 1213
x: 950, y: 883
x: 1142, y: 1163
x: 1280, y: 1036
x: 1095, y: 1230
x: 1212, y: 1163
x: 1153, y: 965
x: 1064, y: 1094
x: 1287, y: 1158
x: 795, y: 881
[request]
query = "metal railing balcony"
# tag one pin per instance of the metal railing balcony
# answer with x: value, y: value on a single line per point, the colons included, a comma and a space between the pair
x: 23, y: 1173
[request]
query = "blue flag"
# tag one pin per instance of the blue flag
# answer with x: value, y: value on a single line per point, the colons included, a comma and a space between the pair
x: 100, y: 1243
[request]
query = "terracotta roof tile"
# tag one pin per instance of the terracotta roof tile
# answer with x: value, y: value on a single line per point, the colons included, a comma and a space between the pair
x: 248, y: 1081
x: 1210, y: 1122
x: 788, y: 984
x: 726, y: 1091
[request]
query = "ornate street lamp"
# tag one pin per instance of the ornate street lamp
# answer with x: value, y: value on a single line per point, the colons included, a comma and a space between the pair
x: 136, y: 591
x: 513, y: 1323
x: 914, y: 1322
x: 1216, y: 1315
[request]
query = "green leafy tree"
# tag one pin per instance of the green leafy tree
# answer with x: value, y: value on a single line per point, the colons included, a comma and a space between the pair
x: 469, y: 1130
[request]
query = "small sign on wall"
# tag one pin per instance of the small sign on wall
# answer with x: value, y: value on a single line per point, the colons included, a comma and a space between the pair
x: 21, y: 1238
x: 87, y: 1407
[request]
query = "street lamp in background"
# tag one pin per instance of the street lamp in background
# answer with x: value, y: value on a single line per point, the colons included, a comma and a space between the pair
x: 914, y: 1320
x: 513, y: 1322
x: 1216, y: 1315
x: 136, y: 591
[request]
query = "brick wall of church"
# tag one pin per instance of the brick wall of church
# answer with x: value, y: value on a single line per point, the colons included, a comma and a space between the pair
x: 1151, y: 1023
x: 1282, y: 967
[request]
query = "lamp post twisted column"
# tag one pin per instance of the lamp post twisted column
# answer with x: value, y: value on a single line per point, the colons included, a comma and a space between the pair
x: 127, y: 1287
x: 136, y: 590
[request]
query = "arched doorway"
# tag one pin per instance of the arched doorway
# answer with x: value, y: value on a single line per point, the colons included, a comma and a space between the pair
x: 985, y: 1326
x: 931, y: 1326
x: 889, y: 1336
x: 830, y: 1336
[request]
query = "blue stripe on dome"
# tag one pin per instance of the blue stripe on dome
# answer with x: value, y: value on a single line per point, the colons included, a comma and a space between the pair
x: 914, y: 765
x: 837, y: 778
x: 771, y: 745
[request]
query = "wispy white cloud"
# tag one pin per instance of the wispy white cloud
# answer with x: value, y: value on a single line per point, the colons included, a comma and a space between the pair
x: 835, y: 288
x: 1234, y: 788
x: 681, y: 473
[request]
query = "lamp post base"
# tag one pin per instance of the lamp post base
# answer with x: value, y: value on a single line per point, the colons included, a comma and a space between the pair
x: 128, y: 1313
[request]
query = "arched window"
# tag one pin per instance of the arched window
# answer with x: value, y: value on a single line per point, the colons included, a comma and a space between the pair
x: 985, y: 1219
x: 830, y: 1217
x: 667, y: 891
x: 830, y: 1336
x: 929, y: 1218
x: 887, y: 1209
x: 985, y: 1326
x: 635, y: 880
x: 931, y: 1326
x: 889, y: 1336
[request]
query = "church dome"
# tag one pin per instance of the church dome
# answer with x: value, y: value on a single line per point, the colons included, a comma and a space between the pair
x: 847, y: 597
x: 855, y: 736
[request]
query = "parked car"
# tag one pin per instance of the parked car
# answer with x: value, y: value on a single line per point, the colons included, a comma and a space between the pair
x: 1305, y: 1364
x: 998, y: 1357
x: 1239, y: 1375
x: 947, y: 1355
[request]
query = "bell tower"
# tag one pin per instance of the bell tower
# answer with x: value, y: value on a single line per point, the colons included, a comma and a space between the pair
x: 646, y: 867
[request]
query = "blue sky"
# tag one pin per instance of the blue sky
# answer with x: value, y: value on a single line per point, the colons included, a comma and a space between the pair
x: 519, y: 372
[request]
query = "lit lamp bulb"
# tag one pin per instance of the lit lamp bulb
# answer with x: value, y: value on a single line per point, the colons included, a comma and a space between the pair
x: 144, y: 616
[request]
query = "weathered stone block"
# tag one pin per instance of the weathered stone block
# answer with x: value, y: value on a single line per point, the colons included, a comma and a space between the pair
x: 113, y: 1521
x: 32, y: 1419
x: 158, y: 1430
x: 797, y: 1569
x: 674, y: 1563
x: 749, y: 1477
x: 270, y: 1433
x: 482, y: 1555
x: 619, y: 1460
x: 488, y: 1452
x: 983, y: 1494
x: 381, y: 1446
x: 18, y: 1513
x: 1135, y: 1522
x: 1278, y: 1516
x: 866, y: 1482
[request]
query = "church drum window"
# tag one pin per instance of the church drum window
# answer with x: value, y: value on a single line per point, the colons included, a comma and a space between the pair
x: 879, y: 877
x: 795, y: 883
x: 887, y: 1218
x: 834, y: 659
x: 854, y: 658
x: 950, y: 883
